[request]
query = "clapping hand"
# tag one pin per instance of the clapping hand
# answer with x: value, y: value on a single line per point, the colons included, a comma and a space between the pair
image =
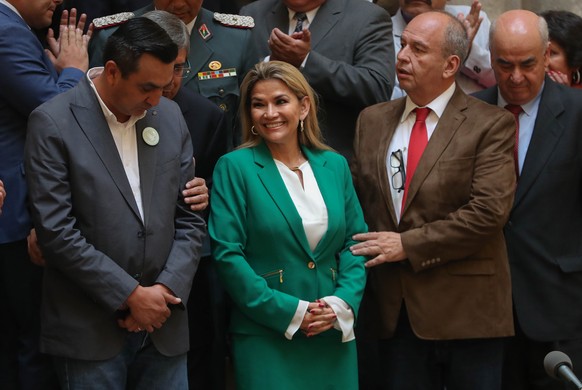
x: 290, y: 48
x: 70, y: 50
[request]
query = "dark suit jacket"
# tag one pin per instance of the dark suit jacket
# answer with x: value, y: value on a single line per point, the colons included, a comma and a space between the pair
x: 96, y: 245
x: 208, y: 129
x: 455, y: 282
x: 351, y: 63
x: 27, y: 80
x: 207, y: 126
x: 544, y: 232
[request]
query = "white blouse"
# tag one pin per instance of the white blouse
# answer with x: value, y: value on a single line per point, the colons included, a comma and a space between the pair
x: 313, y: 212
x: 307, y: 199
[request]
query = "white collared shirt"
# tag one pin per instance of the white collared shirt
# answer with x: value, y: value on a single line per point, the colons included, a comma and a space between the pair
x: 527, y: 121
x: 306, y: 23
x: 190, y: 26
x: 401, y: 136
x: 124, y: 135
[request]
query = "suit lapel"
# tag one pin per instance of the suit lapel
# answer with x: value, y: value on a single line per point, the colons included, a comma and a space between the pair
x: 273, y: 183
x: 200, y: 52
x: 280, y: 18
x: 90, y: 118
x: 546, y: 134
x: 327, y: 183
x: 387, y: 129
x: 327, y: 16
x: 147, y: 160
x: 446, y: 128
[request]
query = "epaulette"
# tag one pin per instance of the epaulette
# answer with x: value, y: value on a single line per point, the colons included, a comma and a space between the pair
x: 238, y: 21
x: 112, y: 20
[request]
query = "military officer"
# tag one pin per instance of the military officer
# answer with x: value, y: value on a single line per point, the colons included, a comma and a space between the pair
x: 218, y: 56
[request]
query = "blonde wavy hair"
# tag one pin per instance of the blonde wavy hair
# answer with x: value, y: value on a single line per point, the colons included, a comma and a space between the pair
x: 311, y: 135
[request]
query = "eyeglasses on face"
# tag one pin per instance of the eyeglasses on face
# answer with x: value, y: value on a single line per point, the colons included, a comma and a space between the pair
x: 398, y: 177
x: 182, y: 70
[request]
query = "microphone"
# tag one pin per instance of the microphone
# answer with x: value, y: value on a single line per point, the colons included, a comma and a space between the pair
x: 558, y: 365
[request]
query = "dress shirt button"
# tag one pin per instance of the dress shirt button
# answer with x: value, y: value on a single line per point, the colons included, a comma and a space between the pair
x: 311, y: 265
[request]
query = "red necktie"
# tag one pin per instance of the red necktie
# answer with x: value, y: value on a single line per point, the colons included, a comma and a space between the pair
x: 416, y: 146
x: 515, y: 110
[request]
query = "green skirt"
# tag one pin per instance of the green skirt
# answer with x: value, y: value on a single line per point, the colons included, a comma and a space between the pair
x: 275, y: 363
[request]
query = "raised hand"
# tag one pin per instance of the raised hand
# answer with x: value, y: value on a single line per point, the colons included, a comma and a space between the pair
x: 70, y: 50
x: 472, y: 22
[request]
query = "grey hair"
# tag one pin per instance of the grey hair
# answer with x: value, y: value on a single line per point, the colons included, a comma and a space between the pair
x: 173, y: 26
x: 456, y: 39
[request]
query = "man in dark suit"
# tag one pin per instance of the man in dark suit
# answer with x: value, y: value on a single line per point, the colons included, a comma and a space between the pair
x: 218, y: 58
x: 437, y: 192
x: 28, y: 78
x: 545, y: 225
x: 207, y: 125
x: 206, y: 122
x: 106, y: 164
x: 343, y: 47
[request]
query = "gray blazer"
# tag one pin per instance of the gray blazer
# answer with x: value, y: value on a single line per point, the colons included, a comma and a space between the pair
x: 96, y: 246
x: 351, y: 63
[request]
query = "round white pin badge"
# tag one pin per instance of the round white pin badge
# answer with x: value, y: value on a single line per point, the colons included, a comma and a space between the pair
x: 150, y: 136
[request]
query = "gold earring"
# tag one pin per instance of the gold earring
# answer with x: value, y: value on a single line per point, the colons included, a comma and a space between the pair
x: 301, y: 125
x: 253, y: 131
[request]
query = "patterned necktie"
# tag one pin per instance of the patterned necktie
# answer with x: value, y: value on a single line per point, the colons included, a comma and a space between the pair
x: 416, y: 146
x: 300, y: 17
x: 515, y: 110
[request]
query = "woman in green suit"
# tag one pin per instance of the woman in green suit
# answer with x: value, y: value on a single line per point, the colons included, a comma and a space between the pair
x: 283, y: 212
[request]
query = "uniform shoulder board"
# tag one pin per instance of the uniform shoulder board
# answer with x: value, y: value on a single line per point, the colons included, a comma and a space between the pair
x: 112, y: 20
x: 238, y: 21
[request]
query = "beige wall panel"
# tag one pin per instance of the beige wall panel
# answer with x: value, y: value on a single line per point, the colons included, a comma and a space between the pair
x: 496, y: 7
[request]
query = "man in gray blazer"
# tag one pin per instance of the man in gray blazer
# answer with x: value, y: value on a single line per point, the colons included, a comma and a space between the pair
x: 344, y: 48
x: 106, y: 163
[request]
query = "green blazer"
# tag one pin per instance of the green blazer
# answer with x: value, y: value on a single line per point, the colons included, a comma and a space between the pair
x: 260, y: 247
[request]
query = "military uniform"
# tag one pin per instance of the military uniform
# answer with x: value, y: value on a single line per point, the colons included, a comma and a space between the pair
x: 218, y: 57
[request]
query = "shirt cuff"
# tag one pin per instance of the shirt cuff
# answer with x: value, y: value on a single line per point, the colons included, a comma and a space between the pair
x: 345, y: 317
x: 297, y: 319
